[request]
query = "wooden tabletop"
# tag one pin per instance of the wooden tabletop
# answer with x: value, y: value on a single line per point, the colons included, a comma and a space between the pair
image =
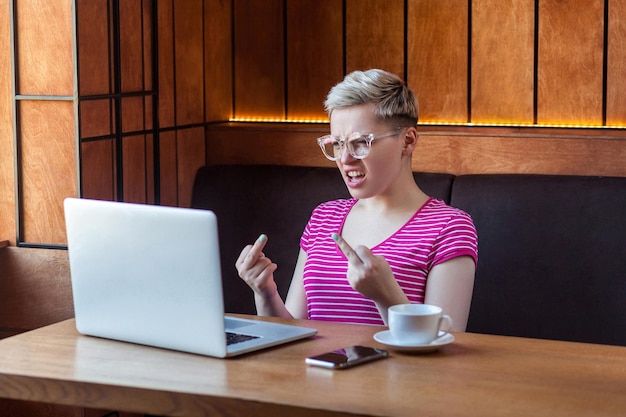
x: 477, y: 375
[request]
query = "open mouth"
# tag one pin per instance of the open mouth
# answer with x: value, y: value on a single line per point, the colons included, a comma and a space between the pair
x: 355, y: 177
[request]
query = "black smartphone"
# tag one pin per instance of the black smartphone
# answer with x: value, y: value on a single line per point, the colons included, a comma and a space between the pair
x: 347, y: 357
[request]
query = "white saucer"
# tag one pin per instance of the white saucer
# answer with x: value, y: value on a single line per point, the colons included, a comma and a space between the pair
x: 387, y: 339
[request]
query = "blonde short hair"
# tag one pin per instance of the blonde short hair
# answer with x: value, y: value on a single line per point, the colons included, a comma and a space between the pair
x: 393, y: 100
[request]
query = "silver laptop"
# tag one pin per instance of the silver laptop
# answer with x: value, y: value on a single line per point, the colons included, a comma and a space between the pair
x: 151, y: 275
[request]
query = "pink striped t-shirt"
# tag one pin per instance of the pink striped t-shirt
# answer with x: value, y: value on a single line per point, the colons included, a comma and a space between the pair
x: 435, y: 234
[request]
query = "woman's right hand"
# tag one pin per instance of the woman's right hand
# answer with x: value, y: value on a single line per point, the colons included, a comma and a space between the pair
x: 257, y: 270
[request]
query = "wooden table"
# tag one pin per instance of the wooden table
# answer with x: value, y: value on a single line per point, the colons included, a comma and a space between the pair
x: 477, y: 375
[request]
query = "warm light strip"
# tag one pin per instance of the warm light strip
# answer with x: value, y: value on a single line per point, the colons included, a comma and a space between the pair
x: 539, y: 125
x: 271, y: 120
x: 527, y: 125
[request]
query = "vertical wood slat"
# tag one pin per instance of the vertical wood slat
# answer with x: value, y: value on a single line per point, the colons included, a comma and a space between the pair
x: 134, y: 163
x: 188, y: 61
x: 167, y: 109
x: 147, y: 45
x: 438, y: 58
x: 133, y: 114
x: 7, y: 169
x: 48, y: 169
x: 138, y: 169
x: 131, y: 46
x: 375, y: 35
x: 98, y: 177
x: 502, y: 75
x: 569, y: 86
x: 150, y: 197
x: 314, y: 55
x: 259, y: 59
x: 93, y: 47
x: 96, y: 118
x: 169, y: 169
x: 45, y: 59
x: 616, y: 68
x: 218, y: 66
x: 191, y: 151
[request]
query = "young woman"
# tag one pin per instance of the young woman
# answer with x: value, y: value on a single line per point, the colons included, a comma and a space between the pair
x: 388, y: 244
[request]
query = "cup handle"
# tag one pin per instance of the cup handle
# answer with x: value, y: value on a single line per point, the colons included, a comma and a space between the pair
x: 445, y: 324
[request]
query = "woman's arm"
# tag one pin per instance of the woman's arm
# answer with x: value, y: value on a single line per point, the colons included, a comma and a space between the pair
x: 449, y: 286
x: 258, y: 272
x: 296, y: 297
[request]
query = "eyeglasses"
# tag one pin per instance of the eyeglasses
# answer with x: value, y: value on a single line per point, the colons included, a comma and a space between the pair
x: 358, y: 144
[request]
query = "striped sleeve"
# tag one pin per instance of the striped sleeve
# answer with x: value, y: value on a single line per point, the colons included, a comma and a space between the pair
x: 457, y: 238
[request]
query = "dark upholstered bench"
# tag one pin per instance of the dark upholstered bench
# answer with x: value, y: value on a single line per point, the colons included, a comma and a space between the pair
x: 552, y: 255
x: 552, y: 251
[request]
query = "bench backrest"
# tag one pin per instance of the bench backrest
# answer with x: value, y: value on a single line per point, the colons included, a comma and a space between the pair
x: 552, y: 249
x: 552, y: 255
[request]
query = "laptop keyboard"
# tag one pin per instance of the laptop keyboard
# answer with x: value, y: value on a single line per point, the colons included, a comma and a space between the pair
x: 232, y: 338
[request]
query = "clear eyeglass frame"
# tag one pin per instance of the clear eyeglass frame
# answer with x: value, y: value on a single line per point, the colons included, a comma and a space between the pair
x: 357, y: 143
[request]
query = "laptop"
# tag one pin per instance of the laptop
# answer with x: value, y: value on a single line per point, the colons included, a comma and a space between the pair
x: 151, y: 275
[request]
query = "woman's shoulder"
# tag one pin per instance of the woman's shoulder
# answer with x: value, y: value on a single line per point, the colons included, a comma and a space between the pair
x: 331, y: 211
x: 335, y: 205
x: 438, y: 208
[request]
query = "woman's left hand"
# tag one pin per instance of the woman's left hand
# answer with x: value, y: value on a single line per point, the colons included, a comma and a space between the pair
x: 371, y: 275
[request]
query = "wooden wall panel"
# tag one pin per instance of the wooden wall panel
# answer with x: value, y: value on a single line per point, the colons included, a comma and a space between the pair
x: 96, y: 118
x: 133, y: 114
x: 259, y: 144
x: 93, y: 47
x: 191, y: 151
x: 98, y: 181
x: 218, y: 58
x: 147, y: 37
x: 167, y: 112
x: 48, y: 168
x: 276, y: 58
x: 438, y: 58
x: 7, y: 167
x: 150, y: 173
x: 259, y: 59
x: 616, y: 68
x: 375, y: 35
x: 314, y: 56
x: 502, y: 72
x: 570, y: 62
x: 188, y: 61
x: 45, y: 59
x: 485, y: 151
x: 532, y: 154
x: 169, y: 169
x: 135, y: 169
x: 148, y: 113
x: 131, y: 46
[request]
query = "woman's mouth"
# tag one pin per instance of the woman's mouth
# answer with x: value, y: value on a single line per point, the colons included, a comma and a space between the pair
x: 354, y: 178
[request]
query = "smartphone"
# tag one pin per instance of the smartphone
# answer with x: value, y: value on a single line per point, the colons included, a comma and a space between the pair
x: 347, y: 357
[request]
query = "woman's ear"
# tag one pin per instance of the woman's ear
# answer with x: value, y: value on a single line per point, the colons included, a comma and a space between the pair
x: 410, y: 140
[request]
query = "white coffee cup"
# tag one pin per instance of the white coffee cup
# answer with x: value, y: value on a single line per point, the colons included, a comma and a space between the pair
x: 417, y: 324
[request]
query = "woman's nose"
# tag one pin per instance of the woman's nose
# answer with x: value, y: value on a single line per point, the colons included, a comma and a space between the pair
x: 346, y: 156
